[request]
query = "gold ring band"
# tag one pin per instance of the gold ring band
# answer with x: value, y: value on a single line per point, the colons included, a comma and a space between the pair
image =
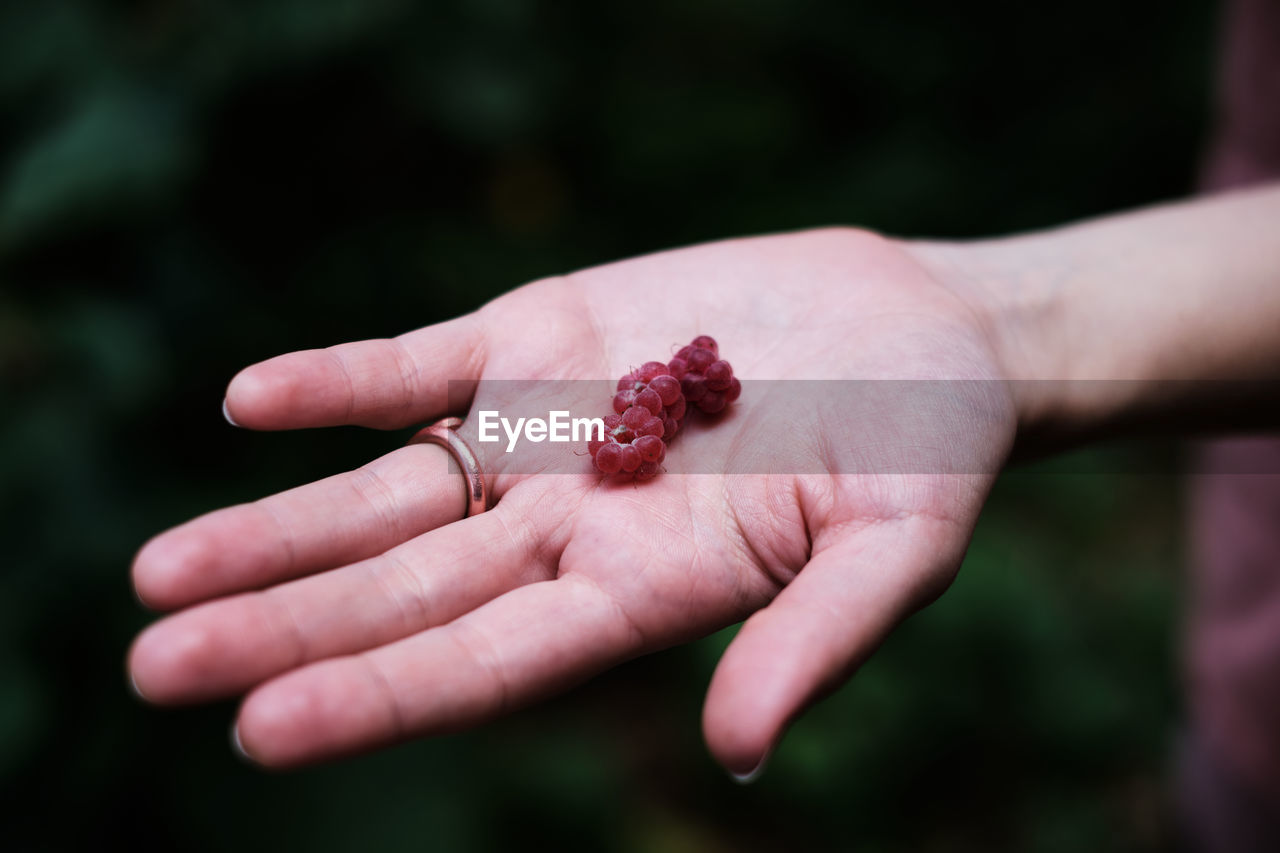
x: 445, y: 433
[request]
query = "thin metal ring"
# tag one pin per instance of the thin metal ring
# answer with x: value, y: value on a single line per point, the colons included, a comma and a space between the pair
x: 444, y: 432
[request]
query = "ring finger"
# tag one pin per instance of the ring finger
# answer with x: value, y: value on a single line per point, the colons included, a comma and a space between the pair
x: 329, y: 523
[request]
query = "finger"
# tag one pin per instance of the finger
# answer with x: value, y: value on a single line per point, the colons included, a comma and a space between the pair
x: 224, y: 647
x: 386, y: 383
x: 329, y: 523
x: 530, y: 642
x: 817, y: 631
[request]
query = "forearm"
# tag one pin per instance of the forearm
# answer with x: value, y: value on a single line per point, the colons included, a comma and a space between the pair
x: 1158, y: 318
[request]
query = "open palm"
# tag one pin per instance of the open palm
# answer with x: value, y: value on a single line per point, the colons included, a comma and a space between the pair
x: 359, y: 610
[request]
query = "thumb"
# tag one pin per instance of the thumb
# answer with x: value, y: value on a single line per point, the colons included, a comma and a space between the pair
x: 819, y: 629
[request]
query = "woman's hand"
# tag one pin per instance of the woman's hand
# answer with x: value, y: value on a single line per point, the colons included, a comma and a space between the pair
x: 359, y: 610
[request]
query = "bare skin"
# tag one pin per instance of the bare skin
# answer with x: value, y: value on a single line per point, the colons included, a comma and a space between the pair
x: 359, y: 610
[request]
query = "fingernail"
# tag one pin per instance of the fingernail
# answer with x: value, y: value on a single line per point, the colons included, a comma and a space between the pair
x: 226, y: 413
x: 754, y: 773
x: 133, y: 685
x: 238, y: 747
x: 137, y: 596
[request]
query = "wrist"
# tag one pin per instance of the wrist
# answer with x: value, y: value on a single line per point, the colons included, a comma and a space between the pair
x: 1015, y: 290
x: 1157, y: 319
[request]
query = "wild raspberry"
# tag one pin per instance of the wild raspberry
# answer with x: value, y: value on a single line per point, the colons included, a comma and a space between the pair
x: 707, y: 381
x: 650, y: 403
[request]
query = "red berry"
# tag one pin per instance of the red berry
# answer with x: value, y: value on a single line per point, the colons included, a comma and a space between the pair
x: 700, y: 360
x: 693, y: 385
x: 649, y: 399
x: 651, y: 370
x: 650, y: 402
x: 712, y: 402
x: 609, y: 458
x: 706, y: 342
x: 630, y: 457
x: 719, y: 375
x: 650, y: 447
x: 646, y: 471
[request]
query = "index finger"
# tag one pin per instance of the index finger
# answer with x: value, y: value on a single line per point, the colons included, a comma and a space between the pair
x: 386, y: 383
x: 522, y: 645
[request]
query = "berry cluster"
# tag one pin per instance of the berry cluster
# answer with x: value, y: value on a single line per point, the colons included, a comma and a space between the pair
x: 652, y: 400
x: 706, y: 380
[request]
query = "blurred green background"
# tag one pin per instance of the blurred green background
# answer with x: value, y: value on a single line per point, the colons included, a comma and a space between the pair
x: 187, y: 187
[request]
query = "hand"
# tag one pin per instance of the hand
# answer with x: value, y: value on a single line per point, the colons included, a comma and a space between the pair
x: 359, y: 610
